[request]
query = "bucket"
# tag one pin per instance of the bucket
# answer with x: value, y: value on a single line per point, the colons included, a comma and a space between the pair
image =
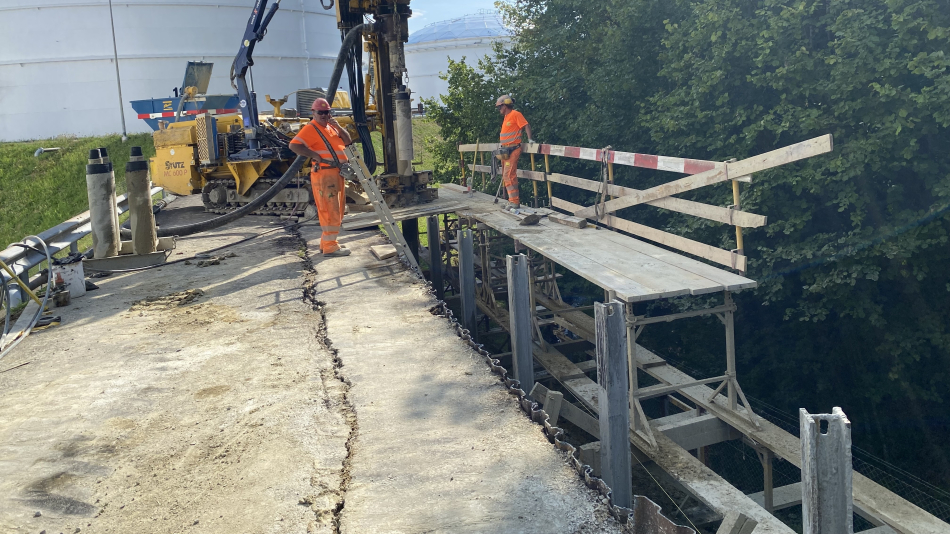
x: 72, y: 274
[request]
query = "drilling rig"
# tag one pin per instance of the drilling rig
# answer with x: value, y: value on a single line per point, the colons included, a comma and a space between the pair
x: 232, y: 156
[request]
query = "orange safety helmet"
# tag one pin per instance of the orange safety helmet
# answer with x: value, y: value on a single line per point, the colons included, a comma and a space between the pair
x: 320, y: 104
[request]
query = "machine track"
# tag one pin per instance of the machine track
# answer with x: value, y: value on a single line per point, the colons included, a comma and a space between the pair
x: 220, y: 196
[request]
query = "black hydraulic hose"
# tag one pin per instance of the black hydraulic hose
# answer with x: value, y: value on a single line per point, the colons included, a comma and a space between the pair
x: 351, y: 36
x: 204, y: 226
x: 354, y: 71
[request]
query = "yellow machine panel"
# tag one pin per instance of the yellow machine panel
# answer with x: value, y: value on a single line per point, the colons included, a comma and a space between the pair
x: 182, y: 133
x: 174, y: 169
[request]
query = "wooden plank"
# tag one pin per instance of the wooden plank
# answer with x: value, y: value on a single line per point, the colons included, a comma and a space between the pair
x: 737, y: 523
x: 383, y: 252
x: 702, y: 250
x: 798, y: 151
x: 782, y: 496
x: 590, y: 269
x: 482, y: 147
x: 643, y: 269
x: 633, y: 274
x: 679, y: 205
x: 568, y: 220
x: 575, y: 415
x: 537, y: 176
x: 583, y: 322
x: 369, y: 218
x: 730, y: 281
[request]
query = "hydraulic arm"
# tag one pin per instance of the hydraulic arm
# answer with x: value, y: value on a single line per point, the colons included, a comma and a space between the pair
x: 247, y: 99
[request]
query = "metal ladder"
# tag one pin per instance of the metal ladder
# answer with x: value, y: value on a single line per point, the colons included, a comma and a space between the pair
x: 382, y: 210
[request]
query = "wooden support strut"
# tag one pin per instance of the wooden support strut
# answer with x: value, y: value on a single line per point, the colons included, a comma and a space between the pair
x: 639, y: 425
x: 547, y: 172
x: 534, y: 184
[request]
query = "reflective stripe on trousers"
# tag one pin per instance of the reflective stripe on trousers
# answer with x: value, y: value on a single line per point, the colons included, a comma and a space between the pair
x: 330, y: 197
x: 510, y: 174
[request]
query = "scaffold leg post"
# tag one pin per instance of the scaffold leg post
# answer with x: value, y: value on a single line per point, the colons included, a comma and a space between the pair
x: 827, y: 506
x: 614, y: 410
x: 519, y: 308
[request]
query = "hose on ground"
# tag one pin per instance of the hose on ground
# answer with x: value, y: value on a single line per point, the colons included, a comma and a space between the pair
x: 211, y: 224
x: 39, y: 312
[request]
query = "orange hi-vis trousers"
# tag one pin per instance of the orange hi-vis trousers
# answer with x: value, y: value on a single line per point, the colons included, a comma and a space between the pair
x: 510, y: 176
x: 330, y: 197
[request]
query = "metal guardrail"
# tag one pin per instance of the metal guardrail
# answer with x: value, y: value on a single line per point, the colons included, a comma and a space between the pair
x: 58, y: 238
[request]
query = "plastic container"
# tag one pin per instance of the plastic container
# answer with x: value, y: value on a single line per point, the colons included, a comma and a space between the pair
x: 72, y: 274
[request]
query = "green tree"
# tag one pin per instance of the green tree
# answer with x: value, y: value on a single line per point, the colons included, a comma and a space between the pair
x: 854, y: 287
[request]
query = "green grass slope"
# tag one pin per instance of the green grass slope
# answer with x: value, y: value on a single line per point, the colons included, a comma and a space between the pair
x: 38, y: 193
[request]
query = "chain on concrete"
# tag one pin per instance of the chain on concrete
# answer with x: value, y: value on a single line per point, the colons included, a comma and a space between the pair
x: 645, y: 513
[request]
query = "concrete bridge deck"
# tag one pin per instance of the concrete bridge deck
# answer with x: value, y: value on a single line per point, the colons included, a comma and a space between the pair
x: 294, y: 395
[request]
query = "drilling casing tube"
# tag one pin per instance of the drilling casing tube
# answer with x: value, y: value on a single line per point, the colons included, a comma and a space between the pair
x: 139, y: 186
x: 404, y: 153
x: 100, y: 188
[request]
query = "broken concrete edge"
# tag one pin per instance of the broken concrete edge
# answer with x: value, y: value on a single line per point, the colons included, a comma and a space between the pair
x: 627, y: 517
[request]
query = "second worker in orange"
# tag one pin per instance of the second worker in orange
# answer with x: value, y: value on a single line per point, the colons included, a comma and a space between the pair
x: 510, y: 139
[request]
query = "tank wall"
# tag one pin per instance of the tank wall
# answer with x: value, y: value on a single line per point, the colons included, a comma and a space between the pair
x: 425, y: 62
x: 57, y: 74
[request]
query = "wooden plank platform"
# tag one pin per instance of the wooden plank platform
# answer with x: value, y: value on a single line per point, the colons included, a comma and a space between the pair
x: 635, y: 270
x: 437, y: 206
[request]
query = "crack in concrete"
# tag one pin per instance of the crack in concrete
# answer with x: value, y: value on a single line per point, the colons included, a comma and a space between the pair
x: 336, y: 372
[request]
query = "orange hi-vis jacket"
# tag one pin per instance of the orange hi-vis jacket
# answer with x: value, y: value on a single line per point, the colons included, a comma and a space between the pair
x: 511, y: 128
x: 308, y: 137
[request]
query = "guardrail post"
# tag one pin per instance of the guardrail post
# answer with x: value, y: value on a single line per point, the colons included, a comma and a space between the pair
x: 435, y: 256
x: 827, y: 506
x: 519, y: 314
x: 614, y: 410
x: 467, y: 279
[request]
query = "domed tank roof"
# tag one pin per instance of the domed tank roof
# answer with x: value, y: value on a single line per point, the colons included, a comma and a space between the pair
x: 482, y: 24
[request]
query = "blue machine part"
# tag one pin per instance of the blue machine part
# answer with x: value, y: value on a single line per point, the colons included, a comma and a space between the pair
x: 155, y: 109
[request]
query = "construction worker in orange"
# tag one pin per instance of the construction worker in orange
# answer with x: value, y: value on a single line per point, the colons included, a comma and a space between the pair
x: 510, y: 147
x: 320, y: 140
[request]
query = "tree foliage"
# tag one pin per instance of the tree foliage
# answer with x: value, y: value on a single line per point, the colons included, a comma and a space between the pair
x: 854, y: 294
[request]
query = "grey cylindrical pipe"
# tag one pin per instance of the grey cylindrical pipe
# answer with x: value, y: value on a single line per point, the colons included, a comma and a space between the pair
x: 139, y: 187
x: 104, y: 158
x: 404, y: 153
x: 100, y: 188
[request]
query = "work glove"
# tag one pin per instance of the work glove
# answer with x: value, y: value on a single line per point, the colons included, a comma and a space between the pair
x: 530, y: 141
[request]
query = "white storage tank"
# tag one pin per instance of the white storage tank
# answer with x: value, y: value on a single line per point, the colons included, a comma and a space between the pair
x: 58, y: 76
x: 428, y: 48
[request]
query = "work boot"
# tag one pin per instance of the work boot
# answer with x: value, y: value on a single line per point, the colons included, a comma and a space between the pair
x: 337, y: 253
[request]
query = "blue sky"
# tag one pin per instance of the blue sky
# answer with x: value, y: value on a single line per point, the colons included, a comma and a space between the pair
x: 425, y: 12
